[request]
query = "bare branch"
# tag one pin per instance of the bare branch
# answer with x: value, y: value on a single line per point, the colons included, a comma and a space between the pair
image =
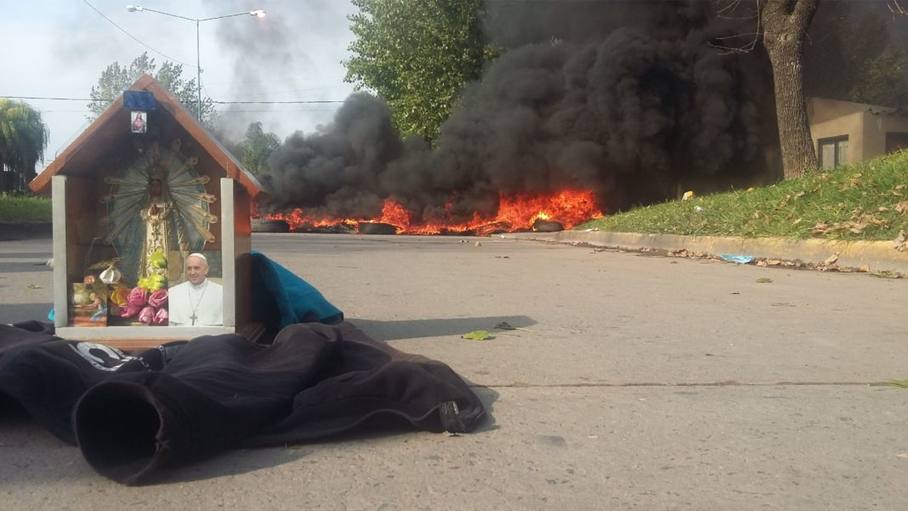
x: 729, y: 7
x: 724, y: 10
x: 896, y: 7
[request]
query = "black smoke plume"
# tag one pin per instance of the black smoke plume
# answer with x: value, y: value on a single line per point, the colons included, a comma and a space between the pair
x: 631, y: 111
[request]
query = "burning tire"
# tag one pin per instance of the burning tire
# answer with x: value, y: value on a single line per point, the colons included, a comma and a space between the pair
x: 259, y: 225
x: 376, y: 228
x: 541, y: 225
x: 340, y: 228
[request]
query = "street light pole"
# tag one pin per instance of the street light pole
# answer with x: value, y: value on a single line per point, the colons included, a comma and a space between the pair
x: 198, y: 71
x: 258, y: 13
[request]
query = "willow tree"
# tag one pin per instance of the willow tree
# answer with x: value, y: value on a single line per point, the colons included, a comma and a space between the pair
x: 23, y: 138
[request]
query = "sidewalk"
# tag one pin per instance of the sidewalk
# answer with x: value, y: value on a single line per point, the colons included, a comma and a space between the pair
x: 873, y: 256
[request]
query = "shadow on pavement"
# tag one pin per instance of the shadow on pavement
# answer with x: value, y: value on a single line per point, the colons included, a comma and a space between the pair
x: 488, y: 397
x: 416, y: 328
x: 232, y: 463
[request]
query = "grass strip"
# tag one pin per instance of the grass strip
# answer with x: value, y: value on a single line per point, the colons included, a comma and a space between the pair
x: 864, y: 201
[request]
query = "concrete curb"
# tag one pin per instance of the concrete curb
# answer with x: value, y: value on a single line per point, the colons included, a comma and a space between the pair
x: 875, y: 255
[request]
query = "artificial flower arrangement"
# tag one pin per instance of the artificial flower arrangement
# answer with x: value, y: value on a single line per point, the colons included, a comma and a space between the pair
x: 148, y: 300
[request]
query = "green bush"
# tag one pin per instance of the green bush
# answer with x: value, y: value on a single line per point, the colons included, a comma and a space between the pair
x: 15, y: 208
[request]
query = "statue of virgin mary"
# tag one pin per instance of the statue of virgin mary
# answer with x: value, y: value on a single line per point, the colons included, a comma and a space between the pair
x: 158, y: 204
x: 156, y: 217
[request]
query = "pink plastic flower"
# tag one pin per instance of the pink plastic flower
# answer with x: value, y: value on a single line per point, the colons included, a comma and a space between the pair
x: 130, y: 311
x: 160, y: 317
x: 137, y: 297
x: 158, y: 299
x: 146, y: 316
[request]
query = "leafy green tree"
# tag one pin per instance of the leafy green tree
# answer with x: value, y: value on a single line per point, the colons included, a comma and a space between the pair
x: 417, y: 55
x: 854, y: 55
x: 23, y: 138
x: 255, y: 149
x: 884, y: 82
x: 115, y: 79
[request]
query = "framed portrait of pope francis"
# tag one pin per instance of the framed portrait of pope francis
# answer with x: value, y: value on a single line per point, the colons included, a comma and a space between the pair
x: 197, y: 301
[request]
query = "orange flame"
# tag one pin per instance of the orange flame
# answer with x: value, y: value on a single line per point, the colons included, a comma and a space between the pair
x: 568, y: 207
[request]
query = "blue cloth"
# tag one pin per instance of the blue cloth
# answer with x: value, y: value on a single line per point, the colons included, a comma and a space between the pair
x: 280, y: 298
x: 737, y: 258
x: 139, y: 100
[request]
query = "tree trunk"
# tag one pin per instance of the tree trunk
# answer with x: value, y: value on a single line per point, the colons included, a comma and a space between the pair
x: 785, y: 25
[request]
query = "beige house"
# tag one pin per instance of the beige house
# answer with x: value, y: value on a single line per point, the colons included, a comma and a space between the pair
x: 844, y: 132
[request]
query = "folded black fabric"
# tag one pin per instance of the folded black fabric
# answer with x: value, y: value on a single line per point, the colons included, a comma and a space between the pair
x: 134, y: 416
x: 47, y: 375
x: 362, y: 378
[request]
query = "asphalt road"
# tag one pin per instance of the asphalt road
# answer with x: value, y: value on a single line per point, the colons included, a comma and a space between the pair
x: 632, y: 382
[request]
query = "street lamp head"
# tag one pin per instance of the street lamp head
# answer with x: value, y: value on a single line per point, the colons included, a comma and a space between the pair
x: 134, y: 8
x: 258, y: 13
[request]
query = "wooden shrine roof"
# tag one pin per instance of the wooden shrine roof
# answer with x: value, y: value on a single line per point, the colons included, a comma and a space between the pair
x: 110, y: 124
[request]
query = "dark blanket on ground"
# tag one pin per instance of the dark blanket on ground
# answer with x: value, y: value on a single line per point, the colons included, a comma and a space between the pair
x: 133, y: 416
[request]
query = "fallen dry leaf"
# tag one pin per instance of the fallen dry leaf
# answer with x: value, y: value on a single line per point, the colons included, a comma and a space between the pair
x: 857, y: 228
x: 900, y: 242
x: 902, y: 207
x: 831, y: 259
x: 820, y: 228
x: 887, y: 274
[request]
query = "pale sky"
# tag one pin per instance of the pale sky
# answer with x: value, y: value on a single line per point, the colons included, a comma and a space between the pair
x: 59, y: 48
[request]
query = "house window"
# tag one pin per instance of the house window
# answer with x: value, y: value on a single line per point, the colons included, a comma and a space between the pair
x: 833, y: 152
